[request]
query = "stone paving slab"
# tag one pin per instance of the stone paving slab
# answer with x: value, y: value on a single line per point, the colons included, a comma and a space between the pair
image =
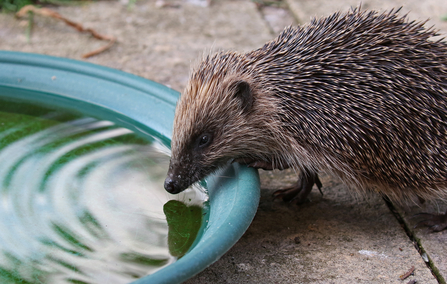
x: 156, y: 43
x: 337, y: 238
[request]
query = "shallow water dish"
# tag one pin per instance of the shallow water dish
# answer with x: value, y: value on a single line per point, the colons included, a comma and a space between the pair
x: 146, y: 107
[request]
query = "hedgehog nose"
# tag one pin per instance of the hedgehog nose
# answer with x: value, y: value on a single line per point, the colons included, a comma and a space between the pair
x: 171, y: 185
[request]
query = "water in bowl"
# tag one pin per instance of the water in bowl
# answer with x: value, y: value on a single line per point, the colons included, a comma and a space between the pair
x: 82, y: 200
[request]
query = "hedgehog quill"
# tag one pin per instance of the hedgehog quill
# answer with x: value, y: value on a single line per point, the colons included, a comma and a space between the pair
x: 361, y: 95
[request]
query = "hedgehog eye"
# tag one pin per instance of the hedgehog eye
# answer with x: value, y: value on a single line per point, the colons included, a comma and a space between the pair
x: 204, y: 140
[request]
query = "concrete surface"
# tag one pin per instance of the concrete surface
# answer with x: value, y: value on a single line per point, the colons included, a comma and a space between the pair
x: 335, y: 238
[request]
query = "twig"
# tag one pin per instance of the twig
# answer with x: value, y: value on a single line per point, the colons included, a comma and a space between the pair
x: 402, y: 277
x: 50, y: 13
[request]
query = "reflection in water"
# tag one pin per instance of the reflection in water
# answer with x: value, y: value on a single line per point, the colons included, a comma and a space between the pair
x: 82, y: 202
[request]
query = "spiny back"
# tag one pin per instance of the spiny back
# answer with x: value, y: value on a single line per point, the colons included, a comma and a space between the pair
x: 365, y: 92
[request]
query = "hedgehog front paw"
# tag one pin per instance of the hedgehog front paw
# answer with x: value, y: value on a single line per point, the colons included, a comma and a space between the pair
x: 434, y: 222
x: 298, y: 193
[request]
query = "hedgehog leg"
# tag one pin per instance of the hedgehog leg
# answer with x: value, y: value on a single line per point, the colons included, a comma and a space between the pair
x: 434, y: 222
x: 299, y: 192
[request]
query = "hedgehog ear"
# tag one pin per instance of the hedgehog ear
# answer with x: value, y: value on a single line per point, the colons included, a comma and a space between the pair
x: 242, y: 92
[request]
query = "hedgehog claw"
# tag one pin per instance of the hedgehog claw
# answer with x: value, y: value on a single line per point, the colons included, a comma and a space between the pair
x: 298, y: 193
x: 434, y: 222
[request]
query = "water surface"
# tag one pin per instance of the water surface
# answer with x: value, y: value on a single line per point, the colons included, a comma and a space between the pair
x: 82, y: 200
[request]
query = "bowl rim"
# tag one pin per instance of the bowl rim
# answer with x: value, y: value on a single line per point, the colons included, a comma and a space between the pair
x: 131, y: 100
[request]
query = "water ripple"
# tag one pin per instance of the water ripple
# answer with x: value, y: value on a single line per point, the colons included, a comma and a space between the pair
x: 81, y: 201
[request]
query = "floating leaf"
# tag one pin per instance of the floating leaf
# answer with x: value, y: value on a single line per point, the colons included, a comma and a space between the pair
x: 184, y: 224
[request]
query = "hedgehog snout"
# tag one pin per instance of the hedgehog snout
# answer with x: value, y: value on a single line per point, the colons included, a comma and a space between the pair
x: 175, y: 183
x: 171, y: 185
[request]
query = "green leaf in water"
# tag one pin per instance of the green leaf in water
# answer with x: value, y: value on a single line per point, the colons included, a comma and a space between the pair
x: 92, y: 225
x: 66, y: 265
x: 53, y: 244
x: 77, y: 281
x: 11, y: 276
x: 184, y: 223
x: 70, y: 237
x: 20, y: 272
x: 142, y: 259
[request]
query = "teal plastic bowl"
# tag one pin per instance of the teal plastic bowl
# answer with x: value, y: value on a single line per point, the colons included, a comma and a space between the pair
x: 146, y: 107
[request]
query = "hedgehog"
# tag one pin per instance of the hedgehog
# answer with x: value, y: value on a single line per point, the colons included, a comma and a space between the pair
x: 360, y: 95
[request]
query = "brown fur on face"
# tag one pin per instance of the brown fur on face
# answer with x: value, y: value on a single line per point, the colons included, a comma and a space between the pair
x: 214, y: 103
x: 362, y: 95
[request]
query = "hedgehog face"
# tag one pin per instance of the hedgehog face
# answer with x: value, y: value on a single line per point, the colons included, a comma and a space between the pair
x: 207, y: 127
x: 191, y: 164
